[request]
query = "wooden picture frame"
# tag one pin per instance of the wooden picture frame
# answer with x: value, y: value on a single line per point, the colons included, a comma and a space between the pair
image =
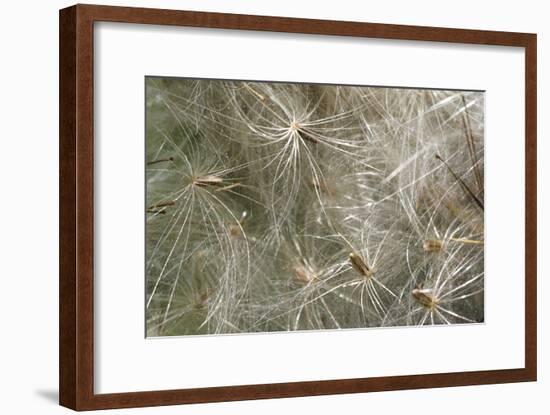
x: 76, y: 278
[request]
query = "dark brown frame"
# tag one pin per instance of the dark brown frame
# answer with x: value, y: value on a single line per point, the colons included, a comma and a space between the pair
x: 76, y: 155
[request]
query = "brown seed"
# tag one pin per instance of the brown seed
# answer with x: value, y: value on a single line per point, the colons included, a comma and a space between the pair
x: 208, y: 180
x: 150, y: 163
x: 162, y: 204
x: 360, y: 265
x: 304, y: 274
x: 432, y: 245
x: 425, y: 298
x: 235, y: 231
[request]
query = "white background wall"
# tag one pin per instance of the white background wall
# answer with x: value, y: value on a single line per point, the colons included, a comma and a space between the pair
x: 29, y: 208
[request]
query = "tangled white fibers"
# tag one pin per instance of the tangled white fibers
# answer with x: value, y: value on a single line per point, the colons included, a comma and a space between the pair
x: 278, y: 206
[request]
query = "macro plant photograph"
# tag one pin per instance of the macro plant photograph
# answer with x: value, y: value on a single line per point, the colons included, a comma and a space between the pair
x: 287, y: 207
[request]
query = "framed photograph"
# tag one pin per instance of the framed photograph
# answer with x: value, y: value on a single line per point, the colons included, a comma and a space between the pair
x: 258, y: 207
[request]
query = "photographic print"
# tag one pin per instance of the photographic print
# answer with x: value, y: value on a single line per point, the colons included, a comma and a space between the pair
x: 286, y: 207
